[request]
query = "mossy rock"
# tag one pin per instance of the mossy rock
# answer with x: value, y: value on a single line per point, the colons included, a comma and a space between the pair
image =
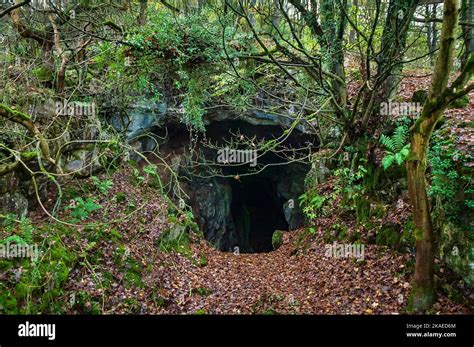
x: 277, y: 239
x: 420, y: 96
x: 460, y: 103
x: 388, y: 236
x: 457, y: 249
x: 176, y: 238
x: 362, y: 207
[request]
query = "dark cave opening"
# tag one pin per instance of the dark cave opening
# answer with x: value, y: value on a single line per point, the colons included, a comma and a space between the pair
x: 245, y: 205
x: 257, y: 212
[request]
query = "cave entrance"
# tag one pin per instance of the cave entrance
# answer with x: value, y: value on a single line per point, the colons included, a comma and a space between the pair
x: 257, y: 213
x: 242, y: 205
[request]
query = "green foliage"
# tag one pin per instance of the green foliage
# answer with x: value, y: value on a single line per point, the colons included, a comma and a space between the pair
x: 277, y: 239
x: 350, y: 183
x: 388, y: 236
x: 103, y: 186
x: 138, y: 178
x: 447, y: 182
x: 202, y: 260
x: 460, y: 102
x: 22, y: 229
x: 81, y: 209
x: 396, y: 147
x: 311, y: 202
x: 40, y: 280
x: 203, y: 291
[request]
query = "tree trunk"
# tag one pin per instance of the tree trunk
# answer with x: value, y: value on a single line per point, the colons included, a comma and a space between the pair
x: 142, y: 18
x: 467, y: 15
x: 423, y: 293
x: 394, y: 37
x: 423, y: 286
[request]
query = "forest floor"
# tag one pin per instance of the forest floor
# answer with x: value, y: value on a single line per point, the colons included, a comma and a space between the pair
x: 296, y: 278
x: 284, y: 282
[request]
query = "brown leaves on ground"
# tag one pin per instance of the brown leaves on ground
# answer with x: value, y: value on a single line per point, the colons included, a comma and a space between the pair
x: 290, y: 280
x: 279, y: 282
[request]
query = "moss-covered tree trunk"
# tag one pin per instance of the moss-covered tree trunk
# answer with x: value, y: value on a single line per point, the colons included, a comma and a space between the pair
x: 423, y: 294
x: 423, y: 291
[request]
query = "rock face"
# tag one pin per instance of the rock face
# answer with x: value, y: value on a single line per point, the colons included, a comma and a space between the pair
x: 9, y: 183
x: 457, y: 249
x: 290, y: 190
x: 141, y: 118
x: 14, y: 203
x: 256, y: 117
x: 81, y: 162
x: 211, y: 201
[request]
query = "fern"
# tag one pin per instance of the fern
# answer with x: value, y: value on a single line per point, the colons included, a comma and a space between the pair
x: 399, y: 138
x: 396, y: 147
x: 387, y: 142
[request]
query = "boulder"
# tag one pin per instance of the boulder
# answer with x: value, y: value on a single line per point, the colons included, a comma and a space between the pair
x: 14, y: 203
x: 142, y: 117
x: 9, y: 183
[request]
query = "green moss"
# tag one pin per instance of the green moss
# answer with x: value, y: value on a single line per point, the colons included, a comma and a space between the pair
x: 133, y: 279
x: 420, y: 96
x: 202, y: 260
x: 277, y: 239
x: 175, y: 239
x: 133, y: 274
x: 43, y: 74
x: 420, y: 299
x: 408, y: 238
x: 200, y: 312
x: 203, y: 291
x: 460, y: 103
x: 362, y: 207
x: 456, y: 247
x: 8, y: 302
x: 120, y: 197
x: 453, y: 293
x: 5, y: 265
x: 14, y: 114
x: 388, y: 236
x: 340, y: 232
x: 270, y: 312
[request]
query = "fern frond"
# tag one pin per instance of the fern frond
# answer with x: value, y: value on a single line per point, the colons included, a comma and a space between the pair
x: 387, y: 142
x: 399, y: 138
x: 387, y: 161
